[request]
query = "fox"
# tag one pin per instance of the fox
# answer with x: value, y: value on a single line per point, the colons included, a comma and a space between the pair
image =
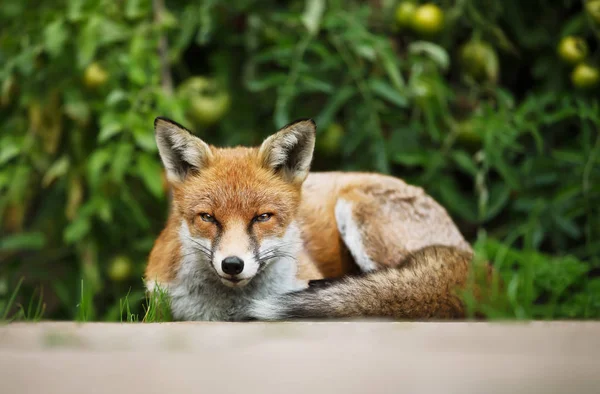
x: 253, y: 234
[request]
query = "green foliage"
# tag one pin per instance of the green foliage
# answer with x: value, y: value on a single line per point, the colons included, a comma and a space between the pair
x: 513, y: 149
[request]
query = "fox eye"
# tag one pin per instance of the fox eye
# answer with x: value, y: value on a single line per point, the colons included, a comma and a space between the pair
x: 263, y: 218
x: 207, y: 218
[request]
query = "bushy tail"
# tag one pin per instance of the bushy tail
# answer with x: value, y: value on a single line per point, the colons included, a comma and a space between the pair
x: 423, y: 287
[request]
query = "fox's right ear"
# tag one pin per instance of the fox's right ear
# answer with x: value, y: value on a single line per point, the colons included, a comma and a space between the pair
x: 181, y: 152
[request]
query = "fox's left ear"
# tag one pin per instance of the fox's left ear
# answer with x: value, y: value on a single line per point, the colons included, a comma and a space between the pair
x: 289, y: 152
x: 181, y: 152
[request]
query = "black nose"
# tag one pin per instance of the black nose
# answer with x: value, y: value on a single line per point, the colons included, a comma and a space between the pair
x: 232, y: 265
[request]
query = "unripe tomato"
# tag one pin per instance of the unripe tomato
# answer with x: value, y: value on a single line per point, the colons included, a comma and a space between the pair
x: 479, y: 59
x: 428, y: 19
x: 405, y: 12
x: 95, y: 76
x: 572, y: 49
x: 585, y: 76
x: 329, y: 142
x: 120, y: 268
x: 592, y: 7
x: 208, y: 102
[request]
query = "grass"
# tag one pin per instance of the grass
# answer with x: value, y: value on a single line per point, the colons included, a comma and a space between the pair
x: 35, y: 308
x: 156, y: 306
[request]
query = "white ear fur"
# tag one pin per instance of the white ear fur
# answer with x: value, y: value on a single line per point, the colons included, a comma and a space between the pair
x: 180, y: 151
x: 289, y: 151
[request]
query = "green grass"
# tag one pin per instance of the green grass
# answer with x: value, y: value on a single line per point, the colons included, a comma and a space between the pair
x: 34, y: 311
x: 155, y: 304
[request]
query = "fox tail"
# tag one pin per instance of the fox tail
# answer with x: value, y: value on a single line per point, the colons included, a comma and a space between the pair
x: 423, y: 287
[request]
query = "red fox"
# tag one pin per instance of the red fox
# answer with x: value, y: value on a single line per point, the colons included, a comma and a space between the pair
x: 252, y: 234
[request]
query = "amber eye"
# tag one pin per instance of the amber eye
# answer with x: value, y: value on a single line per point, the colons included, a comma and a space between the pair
x: 207, y: 218
x: 263, y: 218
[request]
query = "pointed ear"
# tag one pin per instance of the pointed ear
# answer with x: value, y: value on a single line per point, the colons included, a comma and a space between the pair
x: 289, y: 151
x: 181, y: 152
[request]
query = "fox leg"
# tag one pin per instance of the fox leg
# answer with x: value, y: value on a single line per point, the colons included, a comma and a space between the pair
x: 382, y: 224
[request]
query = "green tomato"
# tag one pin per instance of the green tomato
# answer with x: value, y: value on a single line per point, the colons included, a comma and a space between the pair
x: 120, y: 268
x: 329, y: 142
x: 585, y: 76
x: 428, y: 19
x: 572, y: 49
x: 467, y: 136
x: 592, y: 7
x: 95, y: 76
x: 479, y: 59
x: 405, y: 13
x: 208, y: 102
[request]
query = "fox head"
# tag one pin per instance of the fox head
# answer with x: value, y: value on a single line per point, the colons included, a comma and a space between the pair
x: 237, y: 205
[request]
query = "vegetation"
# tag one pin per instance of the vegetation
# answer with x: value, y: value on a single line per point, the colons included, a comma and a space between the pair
x: 492, y: 106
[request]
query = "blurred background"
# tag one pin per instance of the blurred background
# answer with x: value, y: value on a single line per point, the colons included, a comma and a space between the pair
x: 491, y: 106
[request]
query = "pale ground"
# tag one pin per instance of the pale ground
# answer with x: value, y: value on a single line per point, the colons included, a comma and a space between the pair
x: 333, y: 357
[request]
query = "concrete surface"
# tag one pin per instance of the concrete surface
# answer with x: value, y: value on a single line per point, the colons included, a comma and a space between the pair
x: 331, y: 357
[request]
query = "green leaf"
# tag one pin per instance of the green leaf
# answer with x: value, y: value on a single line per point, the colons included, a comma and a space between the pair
x: 387, y: 92
x: 456, y: 201
x: 87, y: 41
x: 150, y: 171
x: 77, y: 230
x: 55, y: 35
x: 136, y: 8
x: 499, y: 197
x: 23, y: 241
x: 115, y: 97
x: 8, y: 151
x: 412, y: 159
x: 311, y: 18
x: 431, y: 50
x: 270, y: 81
x: 121, y: 161
x: 390, y: 64
x: 108, y: 131
x: 96, y: 164
x: 465, y: 162
x: 144, y: 138
x: 58, y: 169
x: 336, y: 101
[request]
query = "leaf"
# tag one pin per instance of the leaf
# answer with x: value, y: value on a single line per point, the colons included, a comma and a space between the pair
x: 8, y: 151
x: 391, y: 66
x: 95, y: 165
x: 498, y: 199
x: 56, y: 170
x: 115, y: 97
x: 77, y: 230
x: 456, y: 201
x: 387, y: 92
x: 121, y: 161
x: 23, y: 241
x: 310, y: 84
x: 311, y: 18
x: 87, y: 41
x: 151, y: 173
x: 55, y: 36
x: 144, y: 138
x: 272, y: 80
x: 431, y: 50
x: 414, y: 159
x: 136, y: 8
x: 108, y: 131
x: 335, y: 102
x: 465, y: 162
